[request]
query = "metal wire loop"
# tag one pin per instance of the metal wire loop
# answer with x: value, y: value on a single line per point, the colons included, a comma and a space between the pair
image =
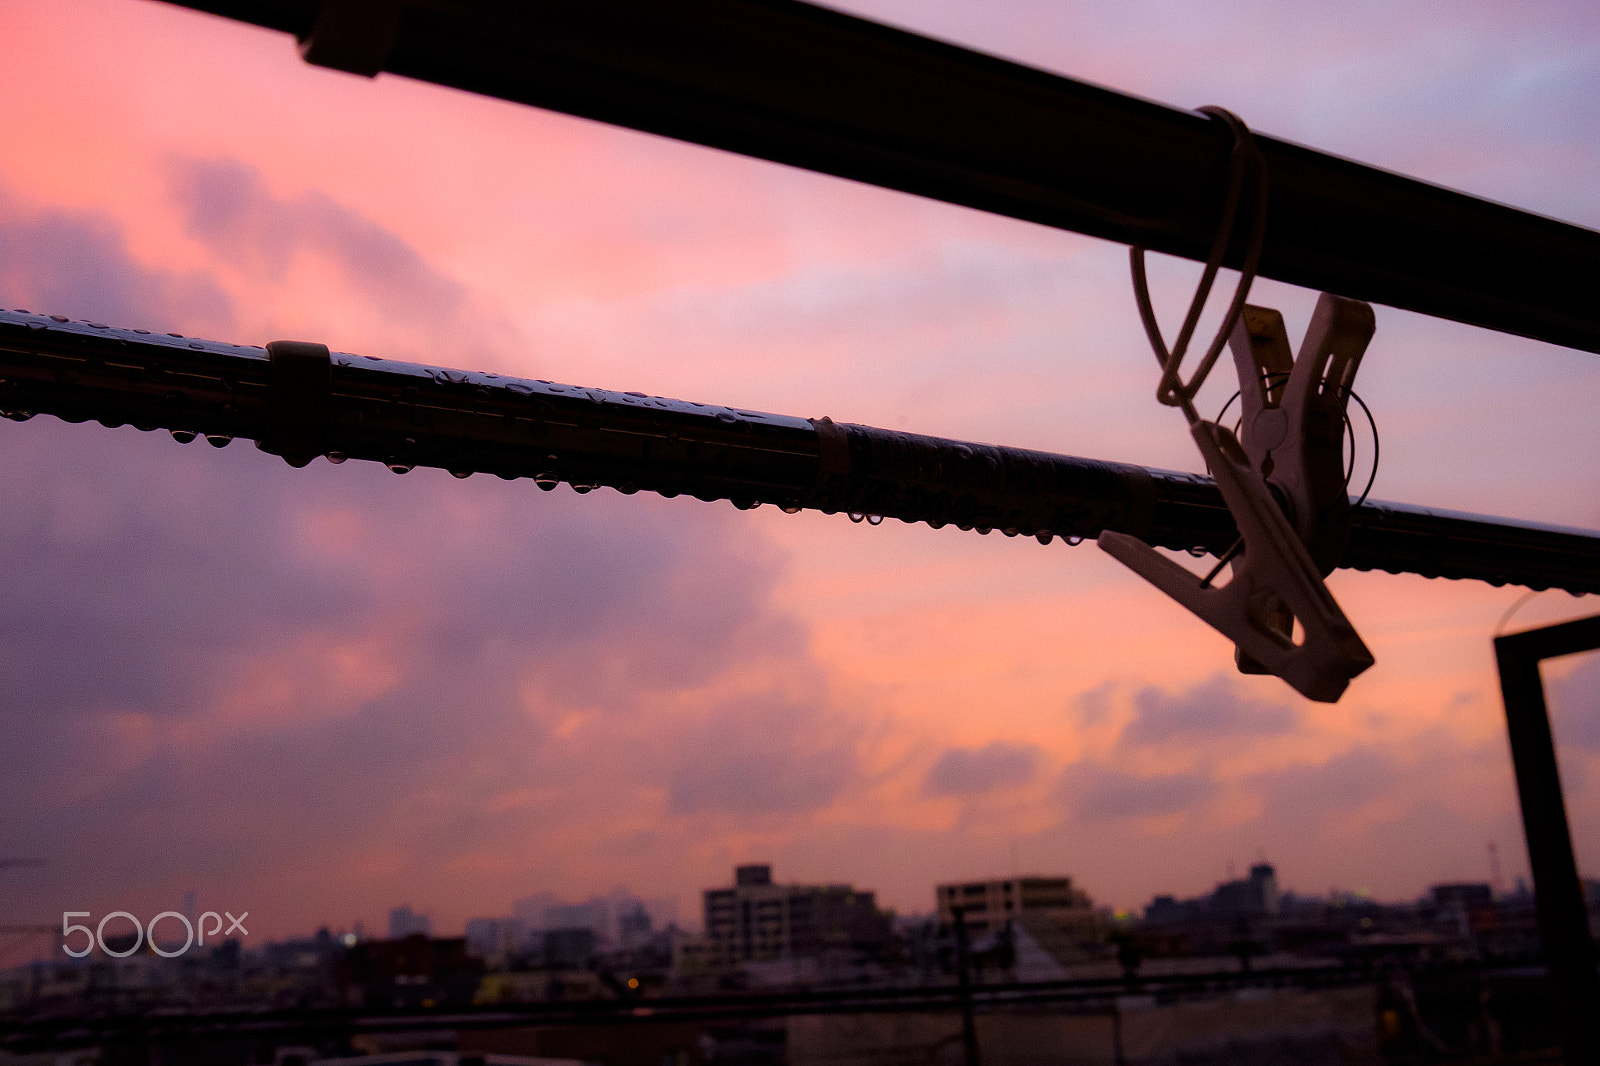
x: 1245, y: 161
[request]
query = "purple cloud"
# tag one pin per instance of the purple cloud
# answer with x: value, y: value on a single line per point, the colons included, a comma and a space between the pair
x: 426, y: 314
x: 77, y: 264
x: 1575, y: 706
x: 975, y: 771
x: 228, y: 673
x: 1099, y: 793
x: 1343, y: 782
x: 1213, y: 710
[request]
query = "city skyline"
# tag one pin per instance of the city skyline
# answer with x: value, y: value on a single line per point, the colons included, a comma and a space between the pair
x: 546, y: 911
x: 326, y: 691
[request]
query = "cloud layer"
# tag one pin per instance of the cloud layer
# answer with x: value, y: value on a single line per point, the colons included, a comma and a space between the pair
x: 221, y: 668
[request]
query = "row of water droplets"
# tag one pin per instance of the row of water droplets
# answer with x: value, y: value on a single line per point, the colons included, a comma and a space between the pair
x: 545, y: 480
x: 42, y: 321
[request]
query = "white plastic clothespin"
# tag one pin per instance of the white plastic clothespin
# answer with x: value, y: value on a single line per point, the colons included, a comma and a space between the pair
x: 1293, y: 427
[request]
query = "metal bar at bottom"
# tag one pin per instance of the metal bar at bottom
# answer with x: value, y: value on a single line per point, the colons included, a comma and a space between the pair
x: 1563, y: 919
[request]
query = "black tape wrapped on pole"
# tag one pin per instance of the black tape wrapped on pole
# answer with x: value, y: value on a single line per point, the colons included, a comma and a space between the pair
x: 405, y: 415
x: 826, y: 91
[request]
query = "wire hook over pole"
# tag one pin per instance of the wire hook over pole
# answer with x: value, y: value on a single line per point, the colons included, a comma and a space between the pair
x: 1246, y: 167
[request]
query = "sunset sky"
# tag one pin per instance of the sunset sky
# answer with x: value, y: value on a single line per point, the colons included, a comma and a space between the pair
x: 315, y: 694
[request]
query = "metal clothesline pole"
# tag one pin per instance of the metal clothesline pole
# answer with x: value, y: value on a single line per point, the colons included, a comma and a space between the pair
x: 829, y: 92
x: 406, y: 415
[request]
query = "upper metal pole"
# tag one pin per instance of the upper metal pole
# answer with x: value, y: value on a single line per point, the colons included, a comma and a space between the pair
x: 787, y: 81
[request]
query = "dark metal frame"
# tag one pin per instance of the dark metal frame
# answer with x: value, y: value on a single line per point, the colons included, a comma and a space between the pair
x: 1563, y: 919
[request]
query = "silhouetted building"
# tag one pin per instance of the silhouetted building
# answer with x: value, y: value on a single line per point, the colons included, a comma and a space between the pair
x: 757, y: 920
x: 615, y: 918
x: 412, y: 972
x: 496, y: 939
x: 571, y: 949
x: 633, y: 926
x: 988, y: 905
x: 593, y: 914
x: 1466, y: 911
x: 1466, y: 895
x: 1254, y: 897
x: 1237, y: 916
x: 1053, y: 911
x: 404, y: 922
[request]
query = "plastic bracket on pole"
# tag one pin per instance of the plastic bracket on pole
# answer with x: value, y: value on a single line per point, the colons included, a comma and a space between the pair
x: 297, y: 407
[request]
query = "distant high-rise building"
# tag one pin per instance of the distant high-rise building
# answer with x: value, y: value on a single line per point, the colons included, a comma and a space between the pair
x: 633, y: 925
x: 663, y: 911
x: 531, y: 911
x: 495, y: 939
x: 483, y: 936
x: 602, y: 915
x: 757, y: 920
x: 404, y: 922
x: 1263, y: 875
x: 572, y: 948
x: 1252, y: 897
x: 593, y: 915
